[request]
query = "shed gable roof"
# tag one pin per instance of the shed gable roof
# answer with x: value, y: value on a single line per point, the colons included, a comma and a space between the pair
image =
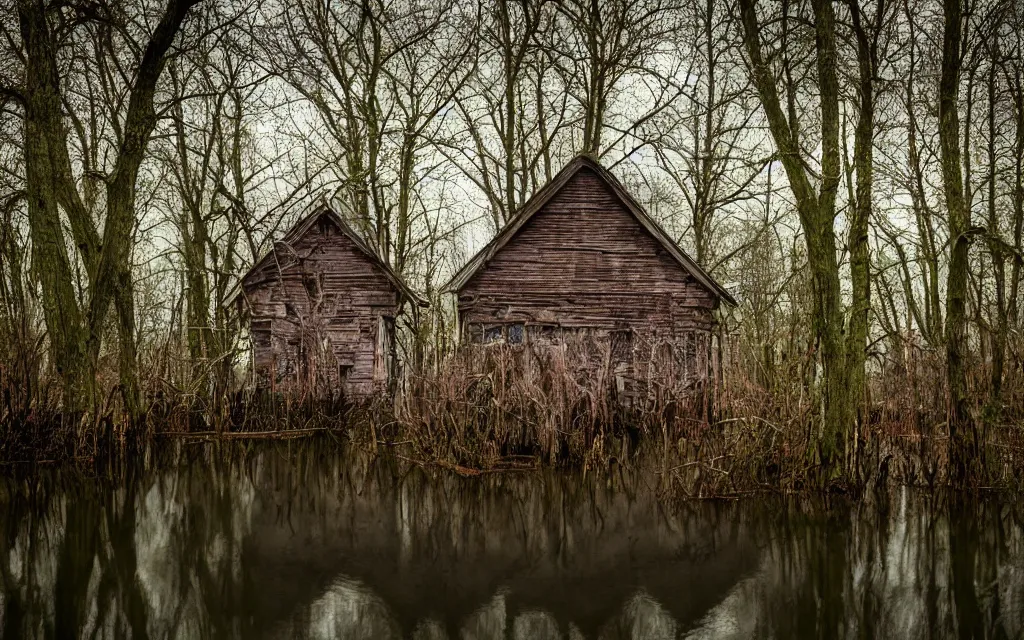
x: 322, y: 208
x: 544, y: 195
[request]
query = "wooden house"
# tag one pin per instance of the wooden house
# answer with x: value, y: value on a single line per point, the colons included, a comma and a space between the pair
x: 321, y: 307
x: 582, y: 259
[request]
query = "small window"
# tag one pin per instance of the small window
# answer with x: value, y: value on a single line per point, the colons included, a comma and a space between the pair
x: 516, y: 334
x: 492, y: 334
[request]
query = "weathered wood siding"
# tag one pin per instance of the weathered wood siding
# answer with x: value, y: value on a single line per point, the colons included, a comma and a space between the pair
x: 584, y: 270
x: 583, y: 261
x: 321, y: 316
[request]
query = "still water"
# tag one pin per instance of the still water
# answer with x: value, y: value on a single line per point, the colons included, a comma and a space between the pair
x: 286, y: 544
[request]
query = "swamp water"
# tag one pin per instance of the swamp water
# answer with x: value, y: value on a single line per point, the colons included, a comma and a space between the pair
x: 286, y: 544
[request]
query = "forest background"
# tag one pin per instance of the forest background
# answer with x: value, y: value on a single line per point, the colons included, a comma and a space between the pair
x: 852, y: 171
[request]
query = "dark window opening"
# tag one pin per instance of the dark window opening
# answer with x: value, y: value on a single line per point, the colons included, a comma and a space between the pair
x: 516, y: 334
x: 621, y: 344
x: 313, y: 285
x: 493, y: 334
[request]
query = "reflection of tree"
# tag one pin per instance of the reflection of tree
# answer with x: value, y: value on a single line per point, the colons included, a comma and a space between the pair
x: 28, y: 564
x: 910, y: 569
x: 963, y: 545
x: 130, y: 561
x: 189, y: 542
x: 290, y: 544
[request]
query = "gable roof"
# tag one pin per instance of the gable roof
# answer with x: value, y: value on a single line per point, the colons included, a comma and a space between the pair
x: 545, y: 193
x: 323, y: 208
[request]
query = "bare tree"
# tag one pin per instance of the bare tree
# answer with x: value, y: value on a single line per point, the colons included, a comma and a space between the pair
x: 868, y: 33
x: 610, y: 47
x: 377, y: 76
x: 816, y: 206
x: 514, y: 121
x: 76, y: 331
x: 714, y: 153
x: 963, y: 435
x: 216, y: 168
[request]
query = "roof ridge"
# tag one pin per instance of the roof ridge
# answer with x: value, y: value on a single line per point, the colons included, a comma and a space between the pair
x: 312, y: 212
x: 541, y: 197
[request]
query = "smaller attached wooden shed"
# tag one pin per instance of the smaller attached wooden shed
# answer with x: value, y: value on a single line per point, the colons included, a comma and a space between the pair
x: 321, y: 307
x: 582, y: 260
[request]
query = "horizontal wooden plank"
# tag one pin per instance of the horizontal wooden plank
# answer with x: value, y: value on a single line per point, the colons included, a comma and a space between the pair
x: 584, y: 258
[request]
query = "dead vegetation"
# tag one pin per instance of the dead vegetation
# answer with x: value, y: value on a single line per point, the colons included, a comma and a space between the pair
x: 503, y: 407
x: 508, y: 406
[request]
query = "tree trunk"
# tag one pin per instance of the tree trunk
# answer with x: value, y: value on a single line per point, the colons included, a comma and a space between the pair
x: 995, y: 249
x: 817, y: 215
x: 963, y: 446
x: 195, y: 238
x: 52, y: 266
x: 825, y: 264
x: 856, y: 344
x: 510, y: 61
x: 1018, y: 196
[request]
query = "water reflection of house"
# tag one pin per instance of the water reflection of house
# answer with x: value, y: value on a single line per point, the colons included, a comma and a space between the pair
x: 583, y: 259
x: 321, y: 307
x: 585, y: 552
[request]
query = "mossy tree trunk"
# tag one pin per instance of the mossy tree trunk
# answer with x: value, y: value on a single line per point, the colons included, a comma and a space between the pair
x: 47, y: 169
x: 963, y: 445
x: 816, y: 210
x: 867, y: 37
x: 76, y: 333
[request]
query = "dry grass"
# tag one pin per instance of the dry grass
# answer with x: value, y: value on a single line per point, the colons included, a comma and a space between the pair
x: 500, y: 407
x: 560, y: 405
